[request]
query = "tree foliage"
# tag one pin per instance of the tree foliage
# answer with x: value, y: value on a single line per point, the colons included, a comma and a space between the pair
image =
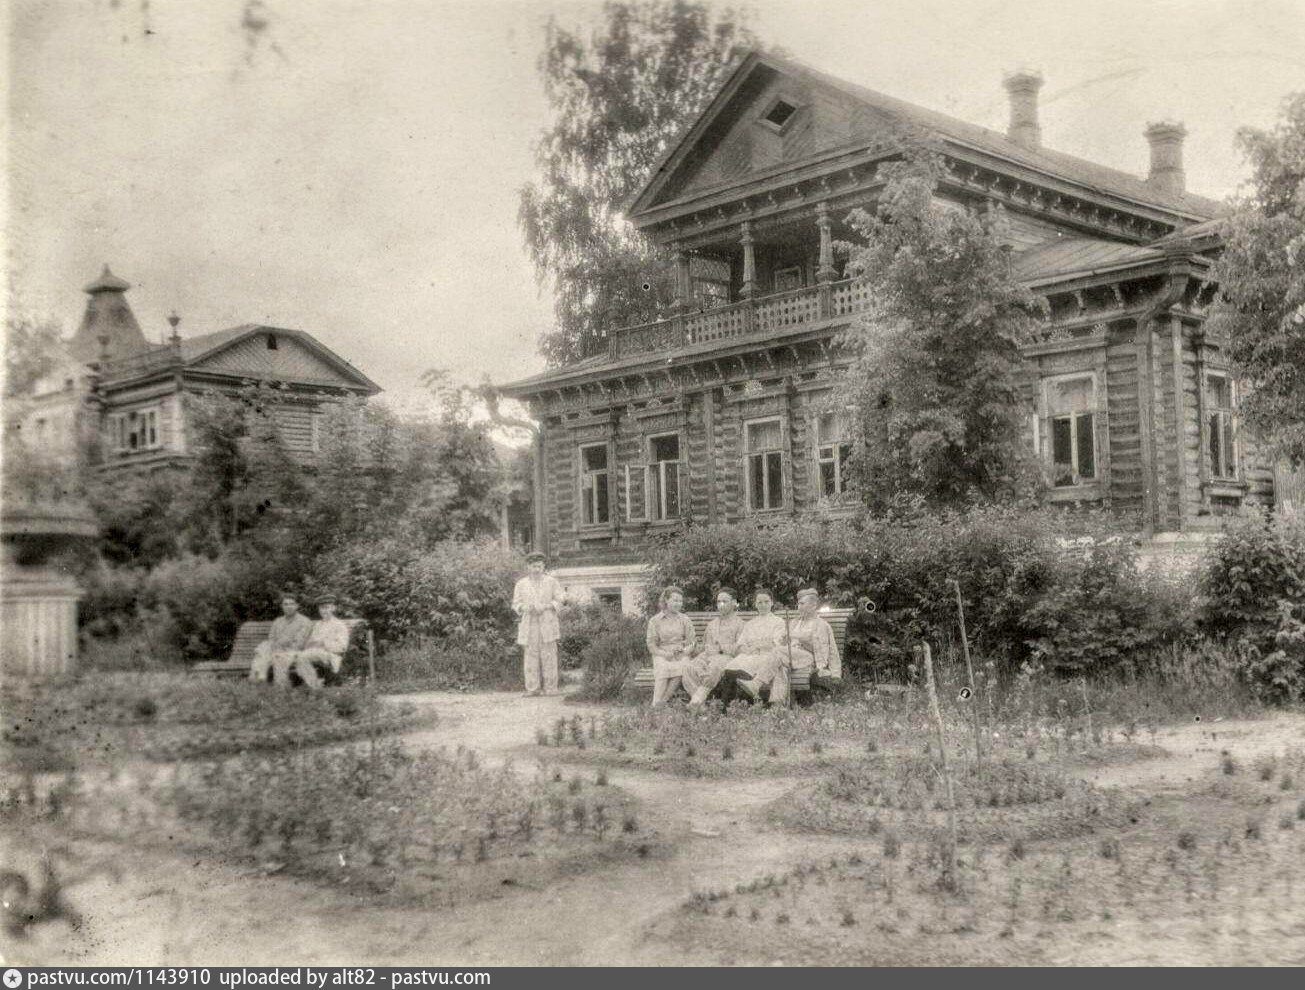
x: 937, y: 376
x: 32, y: 350
x: 1262, y: 277
x: 619, y: 98
x: 195, y: 552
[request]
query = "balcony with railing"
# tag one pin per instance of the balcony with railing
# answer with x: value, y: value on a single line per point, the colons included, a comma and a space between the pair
x: 770, y: 314
x: 155, y: 359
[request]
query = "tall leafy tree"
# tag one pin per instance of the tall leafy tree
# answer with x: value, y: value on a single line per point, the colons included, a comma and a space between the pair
x: 619, y: 98
x: 1262, y: 277
x: 937, y: 381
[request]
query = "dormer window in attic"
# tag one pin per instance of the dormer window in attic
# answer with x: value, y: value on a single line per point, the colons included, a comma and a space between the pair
x: 780, y: 114
x: 271, y: 341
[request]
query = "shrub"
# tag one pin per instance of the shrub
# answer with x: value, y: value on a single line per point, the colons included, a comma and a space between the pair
x: 1100, y: 611
x: 1029, y: 594
x: 615, y: 648
x: 581, y: 623
x: 461, y: 661
x: 1254, y: 601
x: 454, y: 589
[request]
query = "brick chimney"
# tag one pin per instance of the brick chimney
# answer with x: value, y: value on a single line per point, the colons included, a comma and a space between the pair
x: 1023, y: 89
x: 1166, y: 140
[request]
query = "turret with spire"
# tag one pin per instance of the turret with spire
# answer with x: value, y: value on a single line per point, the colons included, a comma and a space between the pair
x: 108, y: 326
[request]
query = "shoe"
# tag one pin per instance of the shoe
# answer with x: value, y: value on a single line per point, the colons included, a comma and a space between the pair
x: 737, y: 674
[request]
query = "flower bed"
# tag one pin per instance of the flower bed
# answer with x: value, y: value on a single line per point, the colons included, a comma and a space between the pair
x: 56, y: 724
x: 378, y: 816
x: 751, y: 739
x: 909, y: 794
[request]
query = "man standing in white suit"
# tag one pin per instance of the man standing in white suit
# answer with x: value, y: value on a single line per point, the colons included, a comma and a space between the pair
x: 536, y: 600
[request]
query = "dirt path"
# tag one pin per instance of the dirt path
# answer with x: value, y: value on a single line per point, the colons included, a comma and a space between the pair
x: 1192, y: 750
x: 166, y: 909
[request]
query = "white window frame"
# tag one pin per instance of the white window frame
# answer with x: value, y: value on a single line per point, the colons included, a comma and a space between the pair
x: 1226, y: 417
x: 632, y: 471
x: 1078, y: 481
x: 770, y: 505
x: 589, y: 501
x: 833, y: 457
x: 657, y: 469
x: 123, y: 426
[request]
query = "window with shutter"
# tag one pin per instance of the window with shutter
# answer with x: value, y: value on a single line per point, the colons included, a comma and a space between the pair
x: 636, y: 506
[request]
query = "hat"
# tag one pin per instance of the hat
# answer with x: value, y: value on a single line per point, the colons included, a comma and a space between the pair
x: 534, y: 556
x: 802, y: 593
x: 327, y: 599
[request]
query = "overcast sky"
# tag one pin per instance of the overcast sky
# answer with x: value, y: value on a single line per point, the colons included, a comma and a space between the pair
x: 355, y: 172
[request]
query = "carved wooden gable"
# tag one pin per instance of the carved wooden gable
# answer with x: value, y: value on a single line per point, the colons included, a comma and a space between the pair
x: 269, y: 355
x: 774, y: 119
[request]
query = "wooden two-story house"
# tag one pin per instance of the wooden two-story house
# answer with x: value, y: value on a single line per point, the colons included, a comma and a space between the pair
x: 122, y: 400
x: 729, y: 407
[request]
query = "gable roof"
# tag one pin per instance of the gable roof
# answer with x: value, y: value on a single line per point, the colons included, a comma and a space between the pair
x: 195, y: 350
x: 1054, y: 164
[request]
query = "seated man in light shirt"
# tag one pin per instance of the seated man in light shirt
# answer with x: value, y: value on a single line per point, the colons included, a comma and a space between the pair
x: 325, y: 647
x: 288, y: 635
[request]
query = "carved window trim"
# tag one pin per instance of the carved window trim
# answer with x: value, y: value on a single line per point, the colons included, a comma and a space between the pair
x: 1221, y: 422
x: 588, y: 501
x: 135, y: 430
x: 1053, y: 422
x: 770, y: 503
x: 657, y: 471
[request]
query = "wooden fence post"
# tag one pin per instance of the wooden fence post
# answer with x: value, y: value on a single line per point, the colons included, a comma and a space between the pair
x: 969, y: 668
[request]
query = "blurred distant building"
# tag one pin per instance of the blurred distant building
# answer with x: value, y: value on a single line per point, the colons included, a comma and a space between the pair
x: 117, y: 395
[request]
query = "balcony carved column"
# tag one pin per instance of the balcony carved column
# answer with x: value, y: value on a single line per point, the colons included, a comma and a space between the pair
x: 749, y: 288
x: 683, y: 283
x: 826, y: 272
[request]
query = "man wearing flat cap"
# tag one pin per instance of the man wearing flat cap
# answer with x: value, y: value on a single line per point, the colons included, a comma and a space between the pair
x: 327, y: 642
x: 536, y: 600
x: 813, y: 645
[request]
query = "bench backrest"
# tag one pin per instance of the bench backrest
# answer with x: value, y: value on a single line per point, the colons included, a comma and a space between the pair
x: 250, y: 634
x: 836, y: 617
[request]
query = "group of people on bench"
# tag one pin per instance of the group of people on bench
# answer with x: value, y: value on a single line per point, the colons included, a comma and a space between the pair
x: 760, y: 653
x: 312, y: 651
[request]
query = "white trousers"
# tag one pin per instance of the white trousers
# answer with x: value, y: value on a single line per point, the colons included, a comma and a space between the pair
x: 540, y: 660
x: 271, y: 666
x: 703, y: 674
x: 309, y: 665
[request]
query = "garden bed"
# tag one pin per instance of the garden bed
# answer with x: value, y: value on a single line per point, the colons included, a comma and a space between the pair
x: 1208, y: 876
x: 753, y: 740
x: 374, y: 818
x: 908, y: 795
x: 54, y: 725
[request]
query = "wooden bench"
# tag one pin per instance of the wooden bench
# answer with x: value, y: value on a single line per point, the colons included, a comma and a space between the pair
x: 250, y: 634
x: 800, y: 681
